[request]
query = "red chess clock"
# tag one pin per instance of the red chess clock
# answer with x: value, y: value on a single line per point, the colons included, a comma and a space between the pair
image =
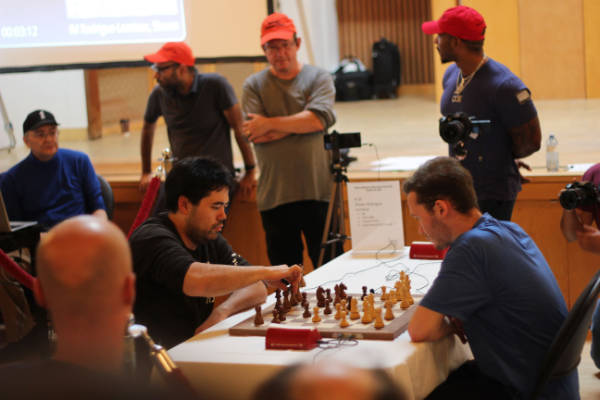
x: 426, y: 250
x: 294, y: 339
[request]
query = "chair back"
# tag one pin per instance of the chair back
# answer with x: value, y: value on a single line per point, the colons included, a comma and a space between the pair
x: 565, y: 351
x: 107, y: 196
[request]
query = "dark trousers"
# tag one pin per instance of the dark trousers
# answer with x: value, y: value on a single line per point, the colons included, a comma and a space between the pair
x: 283, y: 226
x: 498, y: 209
x: 468, y: 383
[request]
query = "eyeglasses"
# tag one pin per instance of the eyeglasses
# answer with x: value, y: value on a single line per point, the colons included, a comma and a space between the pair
x: 276, y: 47
x: 162, y: 69
x: 42, y: 134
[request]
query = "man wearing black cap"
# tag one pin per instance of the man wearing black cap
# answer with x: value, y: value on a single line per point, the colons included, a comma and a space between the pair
x: 51, y: 184
x: 199, y: 110
x: 487, y: 90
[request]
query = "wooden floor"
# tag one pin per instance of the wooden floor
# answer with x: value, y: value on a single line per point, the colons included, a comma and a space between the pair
x: 406, y: 126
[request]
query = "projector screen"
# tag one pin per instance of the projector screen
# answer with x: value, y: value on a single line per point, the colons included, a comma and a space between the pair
x: 64, y: 32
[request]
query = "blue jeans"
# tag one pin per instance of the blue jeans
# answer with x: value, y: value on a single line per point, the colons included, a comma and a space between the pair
x: 596, y: 336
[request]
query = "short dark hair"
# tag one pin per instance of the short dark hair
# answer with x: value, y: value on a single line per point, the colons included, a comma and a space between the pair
x: 195, y: 178
x: 443, y: 178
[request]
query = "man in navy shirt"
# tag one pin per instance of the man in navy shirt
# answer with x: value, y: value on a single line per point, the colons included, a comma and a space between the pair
x: 494, y: 288
x: 51, y: 184
x: 483, y: 88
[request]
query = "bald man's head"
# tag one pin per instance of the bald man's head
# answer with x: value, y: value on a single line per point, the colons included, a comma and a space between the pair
x: 83, y: 265
x: 330, y: 380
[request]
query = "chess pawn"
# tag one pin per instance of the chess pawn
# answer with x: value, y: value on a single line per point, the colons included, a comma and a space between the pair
x: 378, y: 321
x: 343, y: 304
x: 389, y: 315
x: 327, y: 309
x: 306, y: 313
x: 367, y: 315
x: 364, y: 293
x: 354, y: 314
x: 275, y: 319
x: 338, y: 313
x: 404, y: 304
x: 344, y: 323
x: 384, y: 295
x: 258, y: 318
x: 393, y: 296
x: 304, y: 299
x: 316, y: 317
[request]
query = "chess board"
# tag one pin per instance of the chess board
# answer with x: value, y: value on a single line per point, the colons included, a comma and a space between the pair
x: 329, y: 327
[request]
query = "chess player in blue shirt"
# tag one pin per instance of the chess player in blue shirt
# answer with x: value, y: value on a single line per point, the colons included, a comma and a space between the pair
x: 494, y: 289
x: 50, y: 184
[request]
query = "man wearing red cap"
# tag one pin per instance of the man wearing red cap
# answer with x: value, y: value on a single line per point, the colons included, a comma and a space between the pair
x: 288, y: 107
x: 483, y: 88
x: 199, y: 110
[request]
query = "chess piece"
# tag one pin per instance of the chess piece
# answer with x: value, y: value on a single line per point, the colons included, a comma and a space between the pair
x: 367, y: 315
x: 285, y: 306
x: 348, y: 302
x: 354, y: 314
x: 343, y: 305
x: 364, y: 293
x: 298, y: 296
x: 258, y: 318
x: 336, y: 289
x: 389, y: 315
x: 327, y: 309
x: 304, y: 300
x: 294, y: 299
x: 338, y: 309
x: 343, y: 291
x: 306, y: 313
x: 393, y: 296
x: 278, y: 294
x: 378, y: 321
x: 328, y: 291
x: 344, y: 323
x: 275, y: 319
x: 384, y: 295
x: 320, y: 297
x: 404, y: 304
x: 316, y: 317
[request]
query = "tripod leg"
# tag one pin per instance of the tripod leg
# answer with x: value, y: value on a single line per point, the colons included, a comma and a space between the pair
x: 327, y: 225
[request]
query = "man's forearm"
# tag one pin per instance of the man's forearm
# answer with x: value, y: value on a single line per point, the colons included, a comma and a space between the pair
x: 210, y: 280
x: 303, y: 122
x: 146, y: 146
x: 570, y: 224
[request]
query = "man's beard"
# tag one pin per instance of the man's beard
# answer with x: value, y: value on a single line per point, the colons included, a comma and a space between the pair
x: 199, y: 236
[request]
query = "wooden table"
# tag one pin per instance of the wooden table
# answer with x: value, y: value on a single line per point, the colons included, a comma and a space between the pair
x: 228, y: 367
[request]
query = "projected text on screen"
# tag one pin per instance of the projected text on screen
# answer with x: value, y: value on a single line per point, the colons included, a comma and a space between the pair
x: 46, y: 23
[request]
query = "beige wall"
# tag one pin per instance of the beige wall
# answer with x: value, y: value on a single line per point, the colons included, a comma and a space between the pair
x: 552, y: 45
x: 591, y: 18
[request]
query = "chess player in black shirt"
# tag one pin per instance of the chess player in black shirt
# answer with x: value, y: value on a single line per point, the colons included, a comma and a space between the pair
x: 182, y: 262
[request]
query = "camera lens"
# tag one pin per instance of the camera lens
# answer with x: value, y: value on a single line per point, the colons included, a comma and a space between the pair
x: 570, y: 199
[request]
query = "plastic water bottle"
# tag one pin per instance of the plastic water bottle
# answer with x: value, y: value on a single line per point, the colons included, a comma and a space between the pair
x: 552, y: 154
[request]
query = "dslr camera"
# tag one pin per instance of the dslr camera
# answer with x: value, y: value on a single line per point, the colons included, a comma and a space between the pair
x: 457, y: 128
x: 578, y: 194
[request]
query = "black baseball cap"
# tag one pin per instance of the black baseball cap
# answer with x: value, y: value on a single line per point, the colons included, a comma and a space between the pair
x: 38, y: 118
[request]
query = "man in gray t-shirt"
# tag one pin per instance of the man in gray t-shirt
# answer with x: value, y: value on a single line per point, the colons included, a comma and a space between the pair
x: 288, y: 107
x: 199, y: 110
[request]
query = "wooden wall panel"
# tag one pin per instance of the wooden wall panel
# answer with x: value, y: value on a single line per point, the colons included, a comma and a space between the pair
x: 591, y: 20
x: 363, y: 22
x: 552, y: 48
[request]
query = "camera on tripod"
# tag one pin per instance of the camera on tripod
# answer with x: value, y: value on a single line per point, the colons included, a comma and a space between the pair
x: 578, y: 194
x: 335, y: 140
x: 456, y: 128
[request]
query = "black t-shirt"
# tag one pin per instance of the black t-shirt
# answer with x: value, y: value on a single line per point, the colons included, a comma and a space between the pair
x: 161, y: 261
x: 51, y: 379
x: 196, y: 123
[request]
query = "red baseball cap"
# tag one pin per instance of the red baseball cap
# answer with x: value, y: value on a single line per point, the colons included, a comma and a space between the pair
x: 178, y: 52
x: 276, y: 26
x: 462, y: 21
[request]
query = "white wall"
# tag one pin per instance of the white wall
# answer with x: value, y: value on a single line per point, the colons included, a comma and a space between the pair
x: 60, y: 92
x: 321, y: 30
